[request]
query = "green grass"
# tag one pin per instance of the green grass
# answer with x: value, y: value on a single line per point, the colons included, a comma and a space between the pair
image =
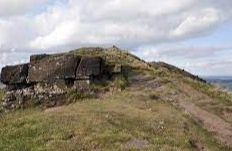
x: 109, y: 123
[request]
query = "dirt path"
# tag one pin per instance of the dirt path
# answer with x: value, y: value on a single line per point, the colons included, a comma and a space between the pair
x: 213, y: 123
x: 221, y: 129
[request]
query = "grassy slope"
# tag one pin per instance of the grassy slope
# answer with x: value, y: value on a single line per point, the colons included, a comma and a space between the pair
x: 108, y: 124
x: 130, y: 120
x: 222, y: 99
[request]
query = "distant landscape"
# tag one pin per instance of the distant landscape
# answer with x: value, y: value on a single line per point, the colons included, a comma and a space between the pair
x: 225, y: 81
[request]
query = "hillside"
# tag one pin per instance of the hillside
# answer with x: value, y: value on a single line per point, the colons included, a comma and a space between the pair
x: 156, y: 107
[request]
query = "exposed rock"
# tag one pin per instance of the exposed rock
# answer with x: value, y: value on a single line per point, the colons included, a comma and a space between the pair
x: 81, y: 84
x: 47, y: 78
x: 50, y: 89
x: 89, y: 66
x: 49, y: 69
x: 8, y: 99
x: 111, y: 69
x: 17, y: 74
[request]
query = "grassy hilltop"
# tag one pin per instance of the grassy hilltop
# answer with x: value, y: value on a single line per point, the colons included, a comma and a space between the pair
x: 158, y: 107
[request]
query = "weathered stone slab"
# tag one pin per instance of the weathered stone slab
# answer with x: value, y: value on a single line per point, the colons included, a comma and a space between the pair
x: 17, y: 74
x: 49, y: 69
x: 89, y: 66
x: 112, y: 69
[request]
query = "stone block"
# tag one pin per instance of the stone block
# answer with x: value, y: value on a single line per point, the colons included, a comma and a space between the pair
x: 17, y: 74
x: 89, y: 66
x: 49, y: 69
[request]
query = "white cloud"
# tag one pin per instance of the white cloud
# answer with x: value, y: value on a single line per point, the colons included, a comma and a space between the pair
x: 199, y: 22
x: 31, y: 26
x: 18, y: 7
x: 180, y: 51
x: 129, y: 23
x: 201, y: 59
x: 60, y: 36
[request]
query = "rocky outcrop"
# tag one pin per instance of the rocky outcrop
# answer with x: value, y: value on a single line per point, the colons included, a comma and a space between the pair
x: 49, y: 76
x: 89, y: 66
x: 50, y: 69
x: 12, y: 75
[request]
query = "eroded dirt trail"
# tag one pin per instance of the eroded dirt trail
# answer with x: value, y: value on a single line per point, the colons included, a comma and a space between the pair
x: 187, y: 100
x: 221, y: 129
x: 213, y: 123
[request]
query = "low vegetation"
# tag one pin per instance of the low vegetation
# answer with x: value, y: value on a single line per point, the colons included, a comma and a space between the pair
x: 115, y: 56
x: 219, y: 99
x: 213, y: 91
x: 130, y: 120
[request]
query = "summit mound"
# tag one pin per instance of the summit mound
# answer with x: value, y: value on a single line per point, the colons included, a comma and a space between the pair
x: 108, y: 99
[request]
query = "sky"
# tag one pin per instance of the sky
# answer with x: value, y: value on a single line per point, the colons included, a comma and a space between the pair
x: 195, y: 35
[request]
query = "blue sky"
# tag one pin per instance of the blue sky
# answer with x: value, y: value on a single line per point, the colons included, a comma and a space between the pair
x: 191, y: 34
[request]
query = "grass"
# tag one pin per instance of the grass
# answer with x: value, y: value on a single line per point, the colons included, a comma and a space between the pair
x: 109, y: 123
x: 115, y: 56
x: 220, y: 99
x: 213, y: 91
x: 1, y: 93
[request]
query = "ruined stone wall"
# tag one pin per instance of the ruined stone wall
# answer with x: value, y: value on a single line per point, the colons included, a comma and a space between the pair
x: 48, y: 76
x: 48, y: 69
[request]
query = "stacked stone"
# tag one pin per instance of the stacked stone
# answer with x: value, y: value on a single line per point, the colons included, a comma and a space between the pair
x: 50, y: 75
x: 14, y: 75
x: 49, y: 69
